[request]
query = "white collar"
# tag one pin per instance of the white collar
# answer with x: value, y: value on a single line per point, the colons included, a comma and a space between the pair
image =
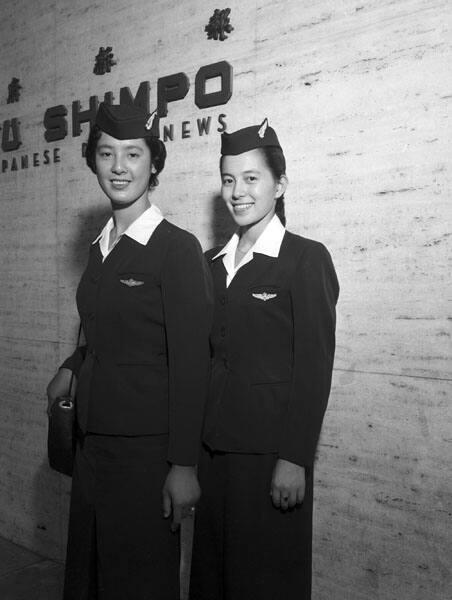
x: 140, y: 230
x: 269, y: 243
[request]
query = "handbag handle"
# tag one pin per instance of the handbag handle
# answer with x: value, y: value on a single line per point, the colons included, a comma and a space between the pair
x: 79, y: 335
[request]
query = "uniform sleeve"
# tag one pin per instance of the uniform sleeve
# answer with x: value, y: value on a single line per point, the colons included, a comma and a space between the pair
x: 187, y: 305
x: 74, y: 362
x: 314, y: 292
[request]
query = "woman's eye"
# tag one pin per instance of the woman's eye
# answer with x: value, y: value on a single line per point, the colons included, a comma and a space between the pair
x: 105, y: 154
x: 227, y: 181
x: 133, y: 154
x: 251, y: 178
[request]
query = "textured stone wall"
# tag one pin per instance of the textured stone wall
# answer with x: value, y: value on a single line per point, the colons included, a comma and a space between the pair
x: 360, y: 93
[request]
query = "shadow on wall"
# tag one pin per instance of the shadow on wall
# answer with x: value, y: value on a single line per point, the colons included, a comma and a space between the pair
x: 51, y: 491
x: 90, y: 222
x: 220, y: 223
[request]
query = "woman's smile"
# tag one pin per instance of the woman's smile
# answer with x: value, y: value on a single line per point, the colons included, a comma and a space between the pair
x: 123, y: 169
x: 119, y: 184
x: 241, y: 207
x: 249, y: 189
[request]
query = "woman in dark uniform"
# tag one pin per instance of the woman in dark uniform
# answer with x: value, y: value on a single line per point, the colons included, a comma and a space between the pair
x: 272, y: 345
x: 142, y: 377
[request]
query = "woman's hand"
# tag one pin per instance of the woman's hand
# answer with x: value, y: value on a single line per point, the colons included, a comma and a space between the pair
x: 288, y: 484
x: 59, y: 386
x: 180, y: 493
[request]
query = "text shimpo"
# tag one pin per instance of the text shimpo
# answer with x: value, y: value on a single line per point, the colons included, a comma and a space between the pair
x: 170, y: 88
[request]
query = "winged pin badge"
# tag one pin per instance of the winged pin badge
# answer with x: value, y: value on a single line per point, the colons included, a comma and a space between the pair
x: 131, y: 282
x: 264, y: 296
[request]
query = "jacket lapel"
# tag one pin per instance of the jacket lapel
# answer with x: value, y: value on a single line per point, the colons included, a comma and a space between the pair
x: 219, y: 274
x: 254, y: 272
x: 257, y: 270
x: 123, y: 254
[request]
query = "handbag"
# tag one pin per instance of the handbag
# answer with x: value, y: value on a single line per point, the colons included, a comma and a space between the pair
x: 61, y: 431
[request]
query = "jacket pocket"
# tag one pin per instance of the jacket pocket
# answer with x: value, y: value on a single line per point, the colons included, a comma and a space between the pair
x: 267, y: 334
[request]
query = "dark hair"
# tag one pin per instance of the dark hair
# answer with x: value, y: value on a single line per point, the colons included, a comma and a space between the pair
x: 155, y: 145
x: 276, y: 162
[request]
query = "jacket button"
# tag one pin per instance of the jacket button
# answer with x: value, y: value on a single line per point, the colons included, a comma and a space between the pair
x: 91, y: 316
x: 95, y: 278
x: 223, y: 300
x: 223, y: 331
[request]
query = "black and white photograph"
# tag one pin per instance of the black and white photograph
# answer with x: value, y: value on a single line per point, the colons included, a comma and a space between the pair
x: 225, y: 300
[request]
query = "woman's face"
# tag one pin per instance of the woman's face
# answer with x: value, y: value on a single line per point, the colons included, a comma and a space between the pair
x: 249, y: 189
x: 123, y: 169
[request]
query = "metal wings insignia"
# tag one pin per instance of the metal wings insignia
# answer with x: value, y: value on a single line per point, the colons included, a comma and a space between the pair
x: 131, y: 282
x: 264, y: 296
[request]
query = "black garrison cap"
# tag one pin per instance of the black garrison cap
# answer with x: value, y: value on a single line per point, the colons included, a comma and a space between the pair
x: 249, y: 138
x: 127, y: 121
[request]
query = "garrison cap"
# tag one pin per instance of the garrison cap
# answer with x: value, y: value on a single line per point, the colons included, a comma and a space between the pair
x: 127, y: 121
x: 249, y: 138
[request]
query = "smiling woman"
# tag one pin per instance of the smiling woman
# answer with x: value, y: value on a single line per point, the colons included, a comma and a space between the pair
x: 272, y: 347
x: 124, y: 168
x: 250, y: 190
x: 142, y: 376
x: 156, y: 146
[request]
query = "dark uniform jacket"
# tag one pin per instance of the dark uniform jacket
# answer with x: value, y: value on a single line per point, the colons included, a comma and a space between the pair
x: 145, y: 315
x: 272, y: 347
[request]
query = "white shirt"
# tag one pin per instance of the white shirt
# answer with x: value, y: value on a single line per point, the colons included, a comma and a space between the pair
x: 140, y: 230
x: 269, y: 243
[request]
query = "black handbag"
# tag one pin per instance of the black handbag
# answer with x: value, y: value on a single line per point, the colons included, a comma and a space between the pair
x: 61, y: 432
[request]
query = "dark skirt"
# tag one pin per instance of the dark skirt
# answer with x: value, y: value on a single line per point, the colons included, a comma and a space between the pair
x: 244, y: 548
x: 119, y: 544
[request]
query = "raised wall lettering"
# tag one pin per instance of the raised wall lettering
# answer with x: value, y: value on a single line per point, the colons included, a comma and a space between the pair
x: 171, y: 88
x: 142, y: 96
x: 220, y: 69
x: 11, y: 126
x: 55, y: 123
x: 85, y: 116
